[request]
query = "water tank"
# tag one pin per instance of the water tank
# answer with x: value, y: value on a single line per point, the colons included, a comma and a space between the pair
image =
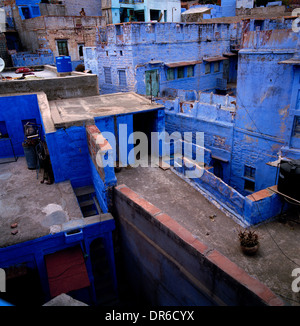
x: 63, y: 64
x: 289, y: 178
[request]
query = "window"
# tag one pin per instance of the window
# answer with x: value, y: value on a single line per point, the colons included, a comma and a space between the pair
x: 122, y: 78
x: 107, y: 75
x: 217, y: 66
x: 35, y: 11
x: 258, y: 25
x: 26, y: 12
x: 190, y: 71
x: 296, y: 130
x: 107, y: 53
x: 140, y: 15
x: 249, y: 172
x: 249, y: 176
x: 62, y: 47
x: 121, y: 53
x: 207, y: 68
x: 180, y: 72
x: 80, y: 50
x: 154, y: 14
x: 249, y: 185
x: 171, y: 74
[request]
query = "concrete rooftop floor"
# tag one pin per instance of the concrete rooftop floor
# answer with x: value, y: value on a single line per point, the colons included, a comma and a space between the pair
x: 35, y: 207
x: 278, y: 254
x: 76, y: 111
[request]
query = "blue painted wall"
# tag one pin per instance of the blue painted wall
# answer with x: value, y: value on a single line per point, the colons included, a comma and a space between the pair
x: 265, y: 107
x: 209, y: 113
x: 133, y: 48
x: 228, y: 8
x: 108, y: 124
x: 70, y: 156
x: 14, y: 109
x: 25, y: 59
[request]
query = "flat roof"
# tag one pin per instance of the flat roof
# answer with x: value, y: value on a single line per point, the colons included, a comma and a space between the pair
x: 34, y: 206
x: 78, y: 111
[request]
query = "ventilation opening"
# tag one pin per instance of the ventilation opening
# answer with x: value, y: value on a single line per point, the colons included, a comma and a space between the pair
x: 87, y: 200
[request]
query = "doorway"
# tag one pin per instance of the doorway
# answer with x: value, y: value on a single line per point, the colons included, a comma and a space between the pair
x: 146, y: 123
x: 155, y: 15
x: 152, y: 83
x: 218, y: 168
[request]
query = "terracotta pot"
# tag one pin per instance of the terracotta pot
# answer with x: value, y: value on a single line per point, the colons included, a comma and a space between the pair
x: 249, y: 250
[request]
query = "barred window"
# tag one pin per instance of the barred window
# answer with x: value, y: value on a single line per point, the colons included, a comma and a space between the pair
x: 207, y: 68
x: 190, y: 71
x: 107, y: 75
x: 62, y: 47
x: 216, y: 66
x: 122, y: 78
x: 180, y: 72
x: 171, y: 74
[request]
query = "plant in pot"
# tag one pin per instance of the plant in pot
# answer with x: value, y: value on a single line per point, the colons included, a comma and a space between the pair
x: 249, y: 241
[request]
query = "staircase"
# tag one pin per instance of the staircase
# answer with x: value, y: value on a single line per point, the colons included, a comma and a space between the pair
x: 87, y: 200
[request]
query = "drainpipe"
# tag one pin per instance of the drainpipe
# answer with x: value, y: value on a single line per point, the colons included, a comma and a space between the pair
x: 172, y: 14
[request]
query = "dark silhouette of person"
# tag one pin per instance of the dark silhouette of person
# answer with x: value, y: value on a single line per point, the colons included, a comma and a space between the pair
x: 82, y: 12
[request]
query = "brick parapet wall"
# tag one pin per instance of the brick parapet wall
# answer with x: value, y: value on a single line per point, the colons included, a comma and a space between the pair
x: 103, y: 177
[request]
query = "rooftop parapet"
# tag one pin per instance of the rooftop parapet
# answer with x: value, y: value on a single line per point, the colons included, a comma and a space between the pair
x: 139, y: 33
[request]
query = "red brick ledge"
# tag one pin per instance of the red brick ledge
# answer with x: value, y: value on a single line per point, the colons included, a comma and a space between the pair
x: 230, y: 268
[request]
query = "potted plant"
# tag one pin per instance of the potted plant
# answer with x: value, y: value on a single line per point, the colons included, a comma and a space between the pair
x: 249, y: 241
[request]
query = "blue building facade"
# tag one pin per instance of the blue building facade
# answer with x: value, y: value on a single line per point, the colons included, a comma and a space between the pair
x: 120, y: 11
x: 228, y: 8
x: 246, y: 135
x: 266, y: 125
x: 149, y: 58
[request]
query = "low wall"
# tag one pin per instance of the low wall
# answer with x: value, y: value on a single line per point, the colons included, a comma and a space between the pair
x: 167, y: 265
x: 262, y: 11
x: 60, y: 87
x: 250, y: 210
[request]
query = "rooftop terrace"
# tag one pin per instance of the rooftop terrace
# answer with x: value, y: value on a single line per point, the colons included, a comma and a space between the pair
x: 279, y: 238
x: 34, y: 206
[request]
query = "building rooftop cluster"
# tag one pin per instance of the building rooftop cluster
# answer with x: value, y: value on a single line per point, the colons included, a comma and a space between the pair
x: 178, y: 120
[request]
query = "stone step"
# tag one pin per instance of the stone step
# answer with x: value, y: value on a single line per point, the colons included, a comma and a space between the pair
x: 81, y: 191
x: 86, y: 203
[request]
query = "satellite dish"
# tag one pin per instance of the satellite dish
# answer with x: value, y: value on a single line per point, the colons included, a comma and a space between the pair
x: 2, y: 64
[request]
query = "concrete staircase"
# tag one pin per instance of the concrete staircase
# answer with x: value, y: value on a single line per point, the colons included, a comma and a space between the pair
x: 87, y: 201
